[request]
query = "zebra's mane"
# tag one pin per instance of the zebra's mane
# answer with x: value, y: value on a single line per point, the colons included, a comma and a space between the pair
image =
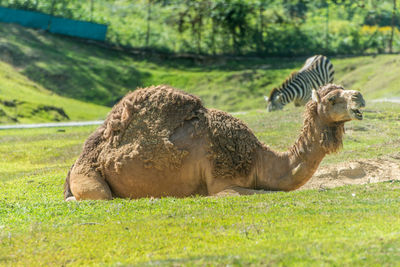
x: 311, y: 64
x: 288, y: 80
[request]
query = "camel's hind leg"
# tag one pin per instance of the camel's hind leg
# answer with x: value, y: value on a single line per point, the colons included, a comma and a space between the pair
x: 91, y: 186
x: 237, y: 191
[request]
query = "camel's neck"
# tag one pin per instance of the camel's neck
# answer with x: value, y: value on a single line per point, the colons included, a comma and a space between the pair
x: 290, y: 170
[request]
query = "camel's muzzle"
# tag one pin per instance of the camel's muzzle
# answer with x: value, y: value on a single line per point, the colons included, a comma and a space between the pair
x: 358, y: 103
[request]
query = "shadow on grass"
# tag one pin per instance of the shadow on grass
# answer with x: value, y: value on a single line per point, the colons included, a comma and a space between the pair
x: 204, y: 261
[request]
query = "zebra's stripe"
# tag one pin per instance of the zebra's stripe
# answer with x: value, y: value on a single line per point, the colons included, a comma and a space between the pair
x: 316, y: 72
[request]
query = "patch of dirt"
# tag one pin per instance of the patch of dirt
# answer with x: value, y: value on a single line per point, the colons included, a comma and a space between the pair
x: 356, y: 172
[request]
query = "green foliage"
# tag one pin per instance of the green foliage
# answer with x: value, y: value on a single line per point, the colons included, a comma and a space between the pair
x: 262, y: 27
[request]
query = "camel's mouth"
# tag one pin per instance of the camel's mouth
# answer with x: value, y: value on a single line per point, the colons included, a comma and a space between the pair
x: 356, y: 114
x: 358, y: 104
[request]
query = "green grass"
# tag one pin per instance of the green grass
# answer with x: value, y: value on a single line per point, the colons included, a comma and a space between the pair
x: 352, y: 225
x: 300, y: 228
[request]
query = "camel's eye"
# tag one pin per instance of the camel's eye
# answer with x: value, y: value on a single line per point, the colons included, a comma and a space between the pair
x: 332, y: 100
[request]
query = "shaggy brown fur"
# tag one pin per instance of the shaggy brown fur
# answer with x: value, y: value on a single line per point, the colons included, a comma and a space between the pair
x: 144, y: 120
x: 330, y: 136
x: 141, y: 124
x: 91, y: 151
x: 233, y: 145
x: 160, y: 141
x: 88, y: 158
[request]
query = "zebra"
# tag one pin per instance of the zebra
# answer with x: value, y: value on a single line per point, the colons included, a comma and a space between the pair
x: 316, y: 72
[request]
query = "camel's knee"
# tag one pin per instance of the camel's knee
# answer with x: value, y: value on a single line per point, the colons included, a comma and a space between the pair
x: 90, y: 187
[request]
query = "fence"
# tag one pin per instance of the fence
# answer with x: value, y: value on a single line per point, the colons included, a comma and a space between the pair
x: 76, y: 28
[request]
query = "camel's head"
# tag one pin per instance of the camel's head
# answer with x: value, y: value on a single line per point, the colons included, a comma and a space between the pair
x: 334, y: 104
x: 274, y: 101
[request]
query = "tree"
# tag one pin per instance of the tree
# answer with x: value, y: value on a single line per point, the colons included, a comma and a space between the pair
x: 233, y: 17
x: 296, y: 9
x: 149, y: 3
x: 393, y: 27
x: 193, y: 16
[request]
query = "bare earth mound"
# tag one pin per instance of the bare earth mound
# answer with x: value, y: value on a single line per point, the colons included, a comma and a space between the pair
x: 356, y: 172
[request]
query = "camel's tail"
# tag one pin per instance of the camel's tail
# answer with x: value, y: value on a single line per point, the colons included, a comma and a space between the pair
x: 67, y: 189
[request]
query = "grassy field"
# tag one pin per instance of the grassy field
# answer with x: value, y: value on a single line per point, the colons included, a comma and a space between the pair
x: 352, y: 225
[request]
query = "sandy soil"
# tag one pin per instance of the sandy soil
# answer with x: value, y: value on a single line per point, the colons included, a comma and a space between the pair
x: 356, y: 172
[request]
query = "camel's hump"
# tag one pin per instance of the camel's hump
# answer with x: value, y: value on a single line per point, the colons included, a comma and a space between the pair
x: 163, y: 97
x: 142, y: 122
x: 233, y: 145
x: 157, y: 108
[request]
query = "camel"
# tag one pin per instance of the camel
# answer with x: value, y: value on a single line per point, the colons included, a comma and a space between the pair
x: 159, y: 141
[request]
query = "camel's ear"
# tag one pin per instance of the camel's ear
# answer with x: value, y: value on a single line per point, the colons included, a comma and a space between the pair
x: 315, y: 96
x: 266, y: 98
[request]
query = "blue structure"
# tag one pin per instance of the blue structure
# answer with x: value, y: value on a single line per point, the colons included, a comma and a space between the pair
x: 76, y: 28
x: 25, y: 18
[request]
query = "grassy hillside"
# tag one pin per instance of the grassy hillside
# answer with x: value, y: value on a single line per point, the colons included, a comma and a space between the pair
x: 24, y: 101
x: 89, y: 73
x: 375, y: 76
